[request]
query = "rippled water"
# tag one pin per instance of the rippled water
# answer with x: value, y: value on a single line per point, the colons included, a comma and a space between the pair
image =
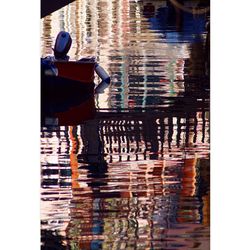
x: 136, y: 176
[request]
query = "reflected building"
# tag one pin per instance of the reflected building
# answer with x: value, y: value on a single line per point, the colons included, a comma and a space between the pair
x: 55, y: 180
x: 118, y: 35
x: 130, y: 179
x: 47, y: 41
x: 130, y: 198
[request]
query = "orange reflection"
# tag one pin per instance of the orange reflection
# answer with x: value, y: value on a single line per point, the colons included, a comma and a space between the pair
x: 188, y: 179
x: 81, y: 215
x: 73, y: 160
x: 206, y: 210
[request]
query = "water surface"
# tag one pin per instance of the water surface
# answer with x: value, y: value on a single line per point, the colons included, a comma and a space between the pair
x: 136, y: 176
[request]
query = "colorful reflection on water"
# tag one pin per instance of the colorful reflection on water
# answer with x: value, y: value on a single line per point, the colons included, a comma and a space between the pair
x: 137, y: 175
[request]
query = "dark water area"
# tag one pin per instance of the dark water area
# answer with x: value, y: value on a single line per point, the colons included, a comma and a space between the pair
x: 130, y: 168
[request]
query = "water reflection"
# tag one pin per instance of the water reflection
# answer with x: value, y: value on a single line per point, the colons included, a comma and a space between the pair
x: 107, y: 174
x: 134, y: 175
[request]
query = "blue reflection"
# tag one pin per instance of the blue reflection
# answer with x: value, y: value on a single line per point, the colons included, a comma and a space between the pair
x: 178, y: 26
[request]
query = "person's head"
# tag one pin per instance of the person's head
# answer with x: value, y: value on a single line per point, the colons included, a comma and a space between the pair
x: 62, y: 45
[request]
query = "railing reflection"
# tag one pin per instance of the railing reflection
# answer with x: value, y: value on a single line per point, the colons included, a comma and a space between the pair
x: 118, y: 199
x: 150, y: 132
